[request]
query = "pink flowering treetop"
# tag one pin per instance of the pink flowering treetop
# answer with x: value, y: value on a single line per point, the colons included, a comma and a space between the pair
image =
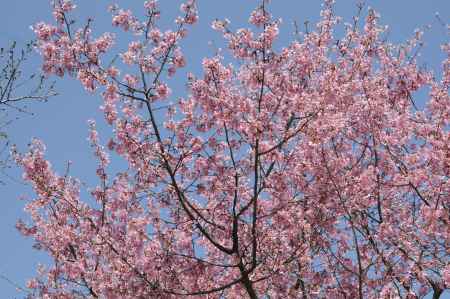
x: 304, y: 171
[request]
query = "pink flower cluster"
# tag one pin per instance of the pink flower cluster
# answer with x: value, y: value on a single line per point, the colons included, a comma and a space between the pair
x: 125, y: 20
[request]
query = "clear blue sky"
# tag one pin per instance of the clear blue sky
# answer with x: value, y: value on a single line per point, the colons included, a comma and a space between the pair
x: 61, y: 123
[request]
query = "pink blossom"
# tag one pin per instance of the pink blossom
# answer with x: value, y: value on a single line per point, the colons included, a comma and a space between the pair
x: 123, y: 19
x: 130, y: 80
x: 162, y: 91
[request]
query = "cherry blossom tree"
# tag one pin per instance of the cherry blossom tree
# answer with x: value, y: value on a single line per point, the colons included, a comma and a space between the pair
x: 301, y: 171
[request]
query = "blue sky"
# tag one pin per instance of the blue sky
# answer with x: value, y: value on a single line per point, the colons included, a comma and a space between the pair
x: 61, y: 123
